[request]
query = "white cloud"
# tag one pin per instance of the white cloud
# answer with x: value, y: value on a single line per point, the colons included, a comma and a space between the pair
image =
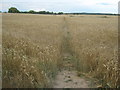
x: 94, y: 2
x: 110, y: 6
x: 42, y: 9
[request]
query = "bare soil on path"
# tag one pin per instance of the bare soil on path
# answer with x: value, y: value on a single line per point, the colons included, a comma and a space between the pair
x: 68, y: 77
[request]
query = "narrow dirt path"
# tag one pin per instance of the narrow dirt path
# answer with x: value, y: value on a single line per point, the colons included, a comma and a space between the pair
x: 67, y: 77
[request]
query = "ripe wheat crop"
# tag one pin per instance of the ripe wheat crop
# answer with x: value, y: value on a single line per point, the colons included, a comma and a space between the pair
x: 32, y: 48
x: 94, y: 41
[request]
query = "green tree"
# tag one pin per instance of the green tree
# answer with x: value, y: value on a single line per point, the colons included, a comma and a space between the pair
x: 60, y: 13
x: 31, y: 11
x: 13, y: 10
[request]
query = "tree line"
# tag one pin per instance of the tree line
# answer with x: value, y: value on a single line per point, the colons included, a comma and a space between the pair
x: 15, y: 10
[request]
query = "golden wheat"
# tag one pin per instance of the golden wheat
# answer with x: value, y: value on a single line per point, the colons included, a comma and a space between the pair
x: 94, y: 41
x: 31, y: 50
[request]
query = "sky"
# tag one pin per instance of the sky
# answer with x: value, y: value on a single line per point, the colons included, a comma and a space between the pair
x: 73, y: 6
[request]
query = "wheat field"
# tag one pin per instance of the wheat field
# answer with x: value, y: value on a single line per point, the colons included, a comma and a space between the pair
x: 32, y: 48
x: 94, y: 41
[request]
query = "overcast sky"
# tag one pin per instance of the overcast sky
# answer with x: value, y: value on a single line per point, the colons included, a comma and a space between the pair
x: 100, y: 6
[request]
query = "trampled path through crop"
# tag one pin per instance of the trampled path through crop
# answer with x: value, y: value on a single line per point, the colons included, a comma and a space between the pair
x: 67, y: 77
